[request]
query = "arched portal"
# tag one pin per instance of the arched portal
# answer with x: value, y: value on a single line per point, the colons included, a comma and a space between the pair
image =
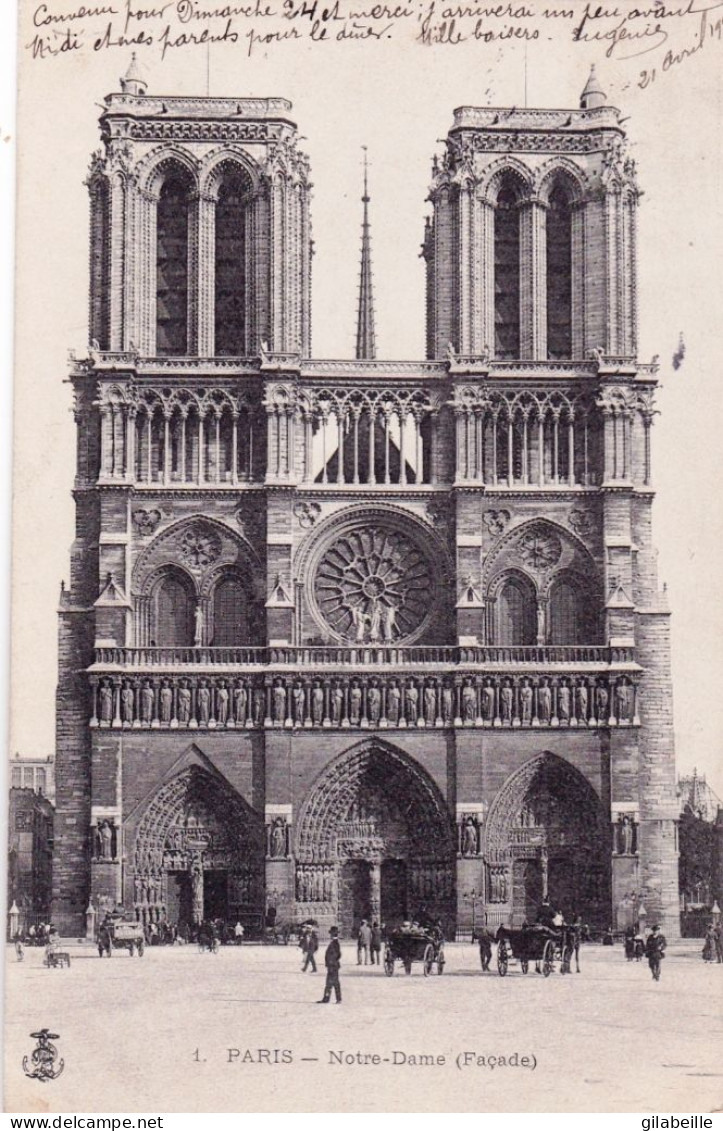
x: 198, y: 853
x: 547, y: 836
x: 375, y: 841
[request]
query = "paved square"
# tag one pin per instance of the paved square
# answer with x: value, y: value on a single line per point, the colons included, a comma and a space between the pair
x: 154, y: 1034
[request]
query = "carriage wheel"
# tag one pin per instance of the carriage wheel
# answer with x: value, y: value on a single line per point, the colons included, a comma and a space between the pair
x: 566, y: 960
x: 388, y: 962
x: 440, y: 962
x: 407, y: 966
x: 502, y: 959
x: 524, y: 965
x: 548, y: 958
x: 428, y: 959
x: 141, y: 948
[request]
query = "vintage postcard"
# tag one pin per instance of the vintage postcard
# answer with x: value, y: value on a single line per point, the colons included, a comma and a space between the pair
x: 366, y: 607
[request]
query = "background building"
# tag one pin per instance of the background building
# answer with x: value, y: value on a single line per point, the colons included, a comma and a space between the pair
x: 37, y: 774
x: 363, y: 637
x: 701, y: 852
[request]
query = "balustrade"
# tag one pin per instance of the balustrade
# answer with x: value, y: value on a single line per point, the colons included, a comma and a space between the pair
x: 367, y: 655
x: 416, y: 700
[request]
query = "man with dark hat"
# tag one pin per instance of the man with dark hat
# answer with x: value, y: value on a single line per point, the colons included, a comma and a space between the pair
x: 332, y: 960
x: 655, y: 945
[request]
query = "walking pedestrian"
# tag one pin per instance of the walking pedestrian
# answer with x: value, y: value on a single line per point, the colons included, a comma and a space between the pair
x: 484, y: 938
x: 311, y: 945
x: 718, y: 942
x: 709, y: 944
x: 375, y: 945
x: 655, y: 951
x: 364, y: 939
x: 332, y: 961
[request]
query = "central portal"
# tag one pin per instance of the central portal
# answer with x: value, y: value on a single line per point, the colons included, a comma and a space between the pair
x: 375, y: 842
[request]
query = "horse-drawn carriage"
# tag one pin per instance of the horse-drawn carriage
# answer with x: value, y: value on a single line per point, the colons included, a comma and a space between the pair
x: 545, y: 946
x: 120, y: 934
x: 410, y: 944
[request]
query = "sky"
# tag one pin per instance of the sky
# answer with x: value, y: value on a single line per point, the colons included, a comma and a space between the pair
x: 398, y: 102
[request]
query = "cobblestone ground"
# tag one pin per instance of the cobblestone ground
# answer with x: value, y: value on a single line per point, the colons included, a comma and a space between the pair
x: 154, y: 1034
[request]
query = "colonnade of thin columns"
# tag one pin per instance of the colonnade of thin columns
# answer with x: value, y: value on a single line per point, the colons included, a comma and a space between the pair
x: 518, y: 446
x: 179, y: 445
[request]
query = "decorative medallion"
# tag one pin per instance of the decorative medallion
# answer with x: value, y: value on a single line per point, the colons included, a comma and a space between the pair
x: 540, y: 548
x: 307, y: 514
x: 199, y: 547
x: 146, y: 521
x: 496, y: 521
x: 581, y: 523
x: 374, y: 584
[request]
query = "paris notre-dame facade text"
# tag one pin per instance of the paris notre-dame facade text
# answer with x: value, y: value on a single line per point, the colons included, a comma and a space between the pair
x: 363, y: 638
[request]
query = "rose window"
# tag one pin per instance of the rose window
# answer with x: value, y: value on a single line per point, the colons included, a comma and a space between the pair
x: 540, y: 548
x: 374, y: 585
x: 199, y: 547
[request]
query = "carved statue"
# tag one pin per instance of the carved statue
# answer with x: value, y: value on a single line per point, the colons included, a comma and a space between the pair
x: 279, y: 696
x: 278, y: 838
x: 317, y: 704
x: 198, y: 627
x: 184, y: 703
x: 375, y: 620
x: 506, y: 696
x: 197, y: 889
x: 240, y: 699
x: 146, y: 702
x: 625, y: 836
x: 488, y: 700
x: 469, y: 702
x: 166, y: 702
x: 602, y: 699
x: 299, y: 705
x: 203, y: 699
x: 374, y: 703
x: 430, y: 704
x: 106, y: 702
x: 355, y: 698
x: 393, y: 700
x: 447, y: 704
x: 622, y: 696
x: 544, y: 698
x: 563, y: 703
x: 337, y: 704
x: 222, y: 705
x: 389, y: 622
x: 469, y: 837
x: 359, y: 620
x: 526, y: 703
x: 127, y: 698
x: 259, y: 705
x: 540, y: 624
x: 106, y: 840
x: 582, y: 702
x: 411, y: 699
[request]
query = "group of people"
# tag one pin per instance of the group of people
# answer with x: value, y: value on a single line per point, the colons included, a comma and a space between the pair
x: 369, y: 944
x: 713, y: 943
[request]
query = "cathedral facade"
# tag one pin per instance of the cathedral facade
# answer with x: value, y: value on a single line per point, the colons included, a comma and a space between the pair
x: 362, y: 638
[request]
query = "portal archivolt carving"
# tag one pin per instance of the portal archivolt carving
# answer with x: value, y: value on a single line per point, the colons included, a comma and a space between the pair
x: 374, y: 801
x: 194, y: 823
x: 546, y: 804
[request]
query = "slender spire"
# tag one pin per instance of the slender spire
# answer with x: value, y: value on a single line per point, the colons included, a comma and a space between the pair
x: 365, y: 342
